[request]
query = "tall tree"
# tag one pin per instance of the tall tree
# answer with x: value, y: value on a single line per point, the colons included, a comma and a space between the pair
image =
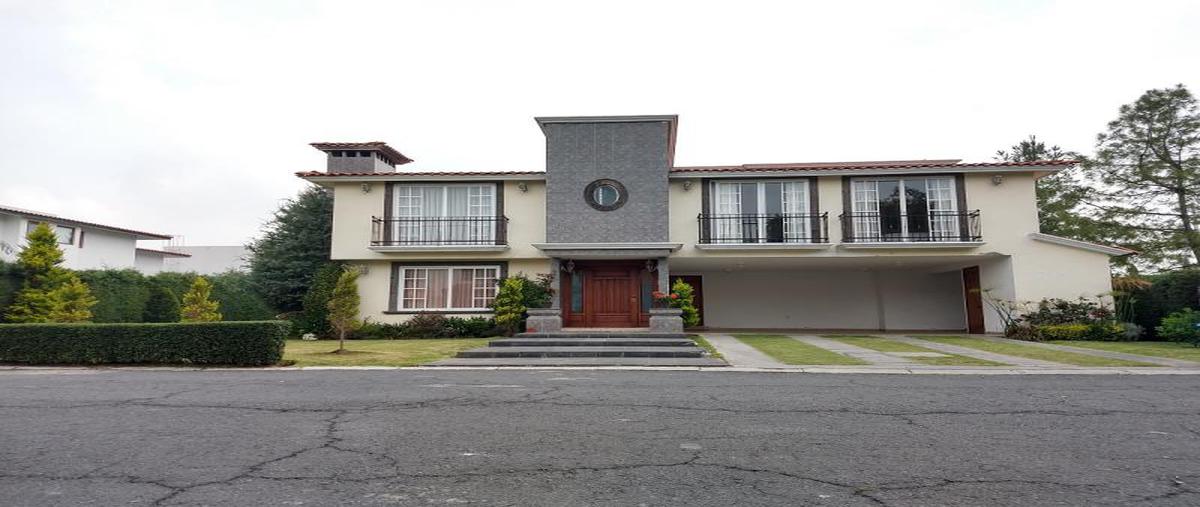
x: 343, y: 305
x: 1059, y: 195
x: 1148, y: 167
x: 49, y: 292
x: 293, y: 246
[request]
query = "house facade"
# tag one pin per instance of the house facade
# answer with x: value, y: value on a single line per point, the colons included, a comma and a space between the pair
x: 891, y: 245
x: 85, y: 245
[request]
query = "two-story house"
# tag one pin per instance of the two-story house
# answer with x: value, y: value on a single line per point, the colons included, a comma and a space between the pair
x: 85, y: 244
x: 894, y: 245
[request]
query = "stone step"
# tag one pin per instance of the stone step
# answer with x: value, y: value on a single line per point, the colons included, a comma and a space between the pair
x: 592, y: 342
x: 580, y: 361
x: 583, y: 352
x: 602, y: 334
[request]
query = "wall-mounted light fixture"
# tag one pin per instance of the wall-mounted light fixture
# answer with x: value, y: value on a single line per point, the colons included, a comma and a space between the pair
x: 522, y: 186
x: 366, y: 188
x: 997, y: 179
x: 687, y: 185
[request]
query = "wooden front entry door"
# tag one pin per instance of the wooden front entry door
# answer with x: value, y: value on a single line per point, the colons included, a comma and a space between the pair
x: 974, y: 296
x: 605, y: 294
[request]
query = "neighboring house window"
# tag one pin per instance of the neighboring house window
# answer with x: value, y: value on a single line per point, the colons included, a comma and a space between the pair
x: 66, y: 235
x: 905, y: 209
x: 447, y: 288
x: 761, y: 212
x: 444, y: 214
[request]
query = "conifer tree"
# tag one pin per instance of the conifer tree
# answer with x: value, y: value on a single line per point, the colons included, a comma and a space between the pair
x: 509, y: 305
x: 343, y: 306
x: 197, y: 305
x: 49, y: 292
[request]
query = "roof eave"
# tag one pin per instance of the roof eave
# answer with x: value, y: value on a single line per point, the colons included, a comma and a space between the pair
x: 701, y: 172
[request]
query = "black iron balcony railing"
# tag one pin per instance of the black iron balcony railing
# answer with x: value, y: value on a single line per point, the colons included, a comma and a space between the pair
x: 933, y: 226
x: 767, y: 228
x: 435, y: 231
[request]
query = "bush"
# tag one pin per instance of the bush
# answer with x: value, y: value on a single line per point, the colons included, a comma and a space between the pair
x: 1169, y: 293
x: 10, y: 283
x: 224, y: 343
x: 1181, y: 326
x: 685, y: 300
x: 1102, y: 331
x: 429, y: 325
x: 121, y: 294
x: 162, y: 306
x: 1061, y: 311
x: 235, y: 294
x: 426, y: 325
x: 314, y: 317
x: 509, y: 305
x: 536, y: 293
x: 474, y: 327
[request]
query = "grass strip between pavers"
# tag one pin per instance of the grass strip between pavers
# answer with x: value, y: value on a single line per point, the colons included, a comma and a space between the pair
x: 376, y: 352
x: 1032, y: 352
x: 881, y: 344
x: 792, y: 351
x: 1169, y: 350
x: 708, y: 347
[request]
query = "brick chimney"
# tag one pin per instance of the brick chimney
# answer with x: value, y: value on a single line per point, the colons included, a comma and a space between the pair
x: 371, y: 157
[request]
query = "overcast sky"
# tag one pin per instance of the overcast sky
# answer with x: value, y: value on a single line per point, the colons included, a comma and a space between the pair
x: 190, y: 117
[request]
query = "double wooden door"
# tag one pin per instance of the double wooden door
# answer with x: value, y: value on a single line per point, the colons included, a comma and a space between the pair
x: 607, y: 294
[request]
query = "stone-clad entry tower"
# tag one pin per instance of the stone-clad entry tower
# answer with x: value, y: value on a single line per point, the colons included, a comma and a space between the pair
x: 607, y: 220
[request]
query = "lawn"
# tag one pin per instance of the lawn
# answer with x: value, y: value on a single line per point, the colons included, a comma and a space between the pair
x: 1172, y: 350
x: 791, y: 351
x: 1032, y: 352
x: 376, y: 352
x: 885, y: 345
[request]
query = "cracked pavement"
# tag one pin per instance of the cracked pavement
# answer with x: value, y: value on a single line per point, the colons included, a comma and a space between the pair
x: 420, y: 437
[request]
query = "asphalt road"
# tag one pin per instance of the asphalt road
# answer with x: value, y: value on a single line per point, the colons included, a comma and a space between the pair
x: 595, y: 438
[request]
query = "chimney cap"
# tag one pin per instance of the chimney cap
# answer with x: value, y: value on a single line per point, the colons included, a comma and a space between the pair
x: 389, y: 153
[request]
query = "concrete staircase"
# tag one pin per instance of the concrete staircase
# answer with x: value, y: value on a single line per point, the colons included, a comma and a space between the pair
x: 586, y: 349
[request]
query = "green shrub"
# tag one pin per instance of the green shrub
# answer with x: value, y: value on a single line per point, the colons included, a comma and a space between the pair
x: 1062, y: 331
x: 10, y: 283
x: 474, y: 327
x: 314, y: 316
x: 1181, y: 326
x: 235, y: 293
x: 685, y: 300
x: 426, y: 325
x: 197, y: 303
x: 162, y: 306
x: 1169, y: 293
x: 509, y: 305
x: 536, y: 293
x: 121, y: 294
x: 225, y: 343
x: 1061, y: 311
x: 430, y: 325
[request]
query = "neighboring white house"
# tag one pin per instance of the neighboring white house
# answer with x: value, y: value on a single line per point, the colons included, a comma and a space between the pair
x: 152, y: 261
x: 206, y: 260
x: 886, y: 245
x: 85, y: 245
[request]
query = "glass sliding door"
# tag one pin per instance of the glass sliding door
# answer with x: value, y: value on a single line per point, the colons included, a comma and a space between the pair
x: 761, y: 212
x: 443, y: 214
x: 904, y: 209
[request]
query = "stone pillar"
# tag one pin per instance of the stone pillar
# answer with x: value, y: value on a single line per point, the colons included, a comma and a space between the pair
x: 664, y: 275
x: 556, y: 272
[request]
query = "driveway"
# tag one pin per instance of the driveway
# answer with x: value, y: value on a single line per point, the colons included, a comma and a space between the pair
x: 421, y: 437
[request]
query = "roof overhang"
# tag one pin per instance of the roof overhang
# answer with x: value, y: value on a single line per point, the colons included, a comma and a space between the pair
x: 768, y: 171
x: 649, y: 250
x: 325, y: 179
x: 80, y: 223
x: 672, y: 121
x: 163, y: 253
x: 1114, y: 251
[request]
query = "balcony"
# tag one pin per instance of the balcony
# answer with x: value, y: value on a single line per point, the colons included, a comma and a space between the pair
x: 767, y: 231
x: 439, y: 233
x: 932, y: 229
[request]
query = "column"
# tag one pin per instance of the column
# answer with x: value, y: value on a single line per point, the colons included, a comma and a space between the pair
x: 556, y: 272
x: 664, y: 275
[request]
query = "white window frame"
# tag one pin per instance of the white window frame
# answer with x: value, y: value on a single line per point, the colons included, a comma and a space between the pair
x: 794, y: 230
x: 482, y: 202
x: 937, y: 219
x: 476, y: 297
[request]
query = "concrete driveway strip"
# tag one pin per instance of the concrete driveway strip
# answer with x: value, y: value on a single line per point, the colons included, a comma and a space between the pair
x: 738, y: 353
x: 868, y: 355
x: 978, y: 354
x: 1164, y: 361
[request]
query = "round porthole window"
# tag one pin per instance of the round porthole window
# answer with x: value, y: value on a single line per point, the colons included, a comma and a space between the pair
x: 605, y: 195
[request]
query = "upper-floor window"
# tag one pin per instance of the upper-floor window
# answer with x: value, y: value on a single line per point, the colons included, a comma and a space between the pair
x: 922, y: 208
x: 760, y: 212
x: 66, y: 235
x: 443, y: 213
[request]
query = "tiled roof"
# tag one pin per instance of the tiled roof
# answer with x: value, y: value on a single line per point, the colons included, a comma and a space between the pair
x: 163, y: 252
x: 68, y: 221
x: 396, y: 157
x: 851, y: 166
x: 322, y: 174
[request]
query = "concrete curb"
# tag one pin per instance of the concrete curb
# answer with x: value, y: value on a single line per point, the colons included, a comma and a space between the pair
x: 877, y: 370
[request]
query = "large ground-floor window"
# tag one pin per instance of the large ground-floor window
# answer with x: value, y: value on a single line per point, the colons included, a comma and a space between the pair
x: 447, y: 287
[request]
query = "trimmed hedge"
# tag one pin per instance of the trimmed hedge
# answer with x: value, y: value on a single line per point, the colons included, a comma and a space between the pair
x: 1172, y: 291
x: 256, y: 343
x: 1109, y: 332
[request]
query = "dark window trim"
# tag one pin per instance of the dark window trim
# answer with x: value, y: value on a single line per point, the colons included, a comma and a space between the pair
x: 814, y: 205
x: 388, y: 193
x: 960, y: 191
x: 394, y: 283
x: 589, y: 194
